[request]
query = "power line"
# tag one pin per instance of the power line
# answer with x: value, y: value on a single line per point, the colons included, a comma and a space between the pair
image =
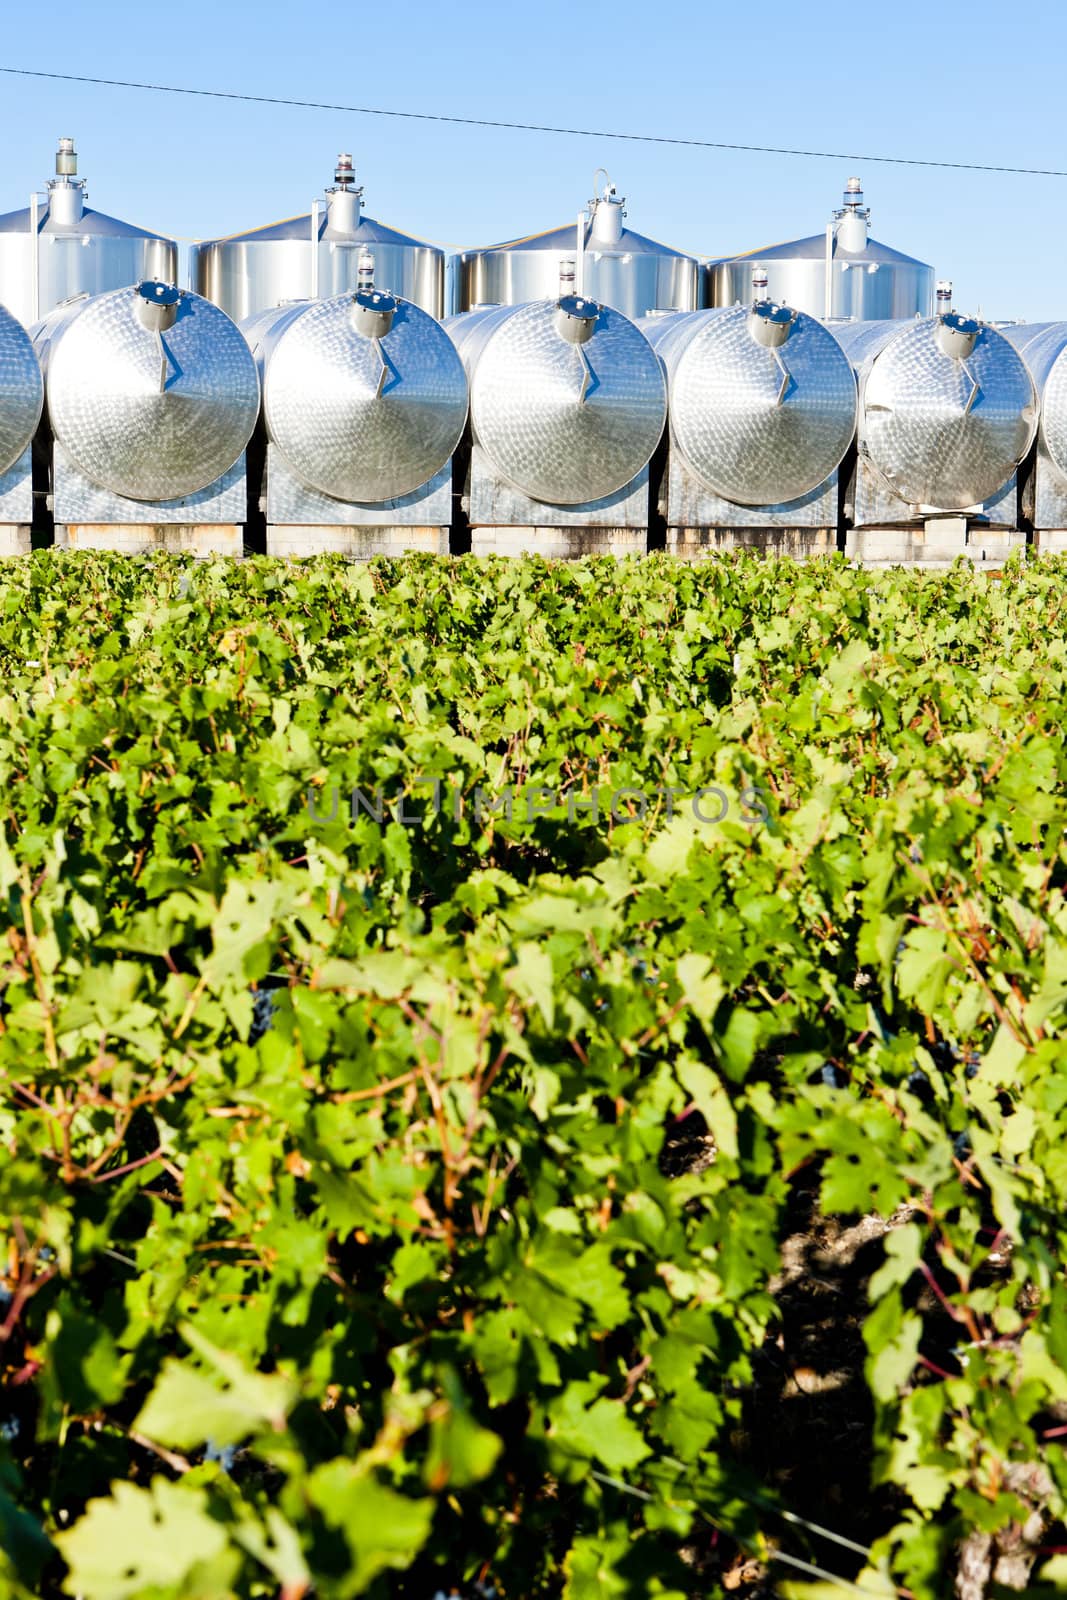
x: 535, y: 127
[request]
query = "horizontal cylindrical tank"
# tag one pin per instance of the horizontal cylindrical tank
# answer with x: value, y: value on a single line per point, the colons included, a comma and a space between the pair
x: 841, y: 272
x: 316, y: 256
x: 615, y: 266
x: 151, y: 391
x: 947, y: 409
x: 568, y: 398
x: 57, y: 248
x: 1043, y: 347
x: 762, y: 400
x: 21, y: 390
x: 364, y: 395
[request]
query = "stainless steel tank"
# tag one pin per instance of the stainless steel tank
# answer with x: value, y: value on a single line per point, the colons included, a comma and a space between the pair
x: 568, y: 399
x: 947, y: 408
x: 614, y: 266
x: 364, y: 395
x: 21, y: 390
x: 762, y: 399
x: 57, y: 247
x: 841, y: 272
x: 316, y: 256
x: 151, y: 391
x: 1043, y: 346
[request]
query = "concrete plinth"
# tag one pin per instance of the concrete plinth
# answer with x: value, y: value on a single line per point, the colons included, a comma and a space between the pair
x: 1050, y: 541
x: 559, y: 544
x: 132, y: 538
x: 935, y: 543
x: 295, y: 540
x: 15, y: 539
x: 702, y: 544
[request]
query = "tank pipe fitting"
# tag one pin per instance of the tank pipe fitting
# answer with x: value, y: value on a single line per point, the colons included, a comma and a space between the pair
x: 576, y: 320
x: 156, y: 309
x: 372, y: 314
x: 770, y: 325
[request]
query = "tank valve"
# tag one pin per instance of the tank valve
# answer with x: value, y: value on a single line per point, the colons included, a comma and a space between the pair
x: 373, y: 310
x: 156, y: 305
x: 576, y: 316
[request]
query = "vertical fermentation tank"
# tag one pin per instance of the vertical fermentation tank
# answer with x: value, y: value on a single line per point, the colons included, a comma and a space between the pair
x: 58, y: 247
x: 613, y: 266
x: 316, y: 257
x: 839, y: 273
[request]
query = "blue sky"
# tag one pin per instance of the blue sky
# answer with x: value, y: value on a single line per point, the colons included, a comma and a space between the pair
x: 905, y: 79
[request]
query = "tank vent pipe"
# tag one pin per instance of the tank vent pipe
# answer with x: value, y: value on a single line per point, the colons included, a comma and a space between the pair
x: 759, y: 284
x: 66, y: 159
x: 566, y: 278
x: 944, y: 296
x: 365, y: 272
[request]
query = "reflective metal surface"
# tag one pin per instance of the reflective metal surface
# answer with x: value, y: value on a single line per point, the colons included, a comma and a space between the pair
x: 549, y: 430
x: 868, y: 281
x: 152, y: 416
x: 620, y: 268
x: 68, y: 249
x: 358, y: 418
x: 940, y: 432
x: 21, y: 390
x: 756, y: 424
x: 1043, y: 346
x: 253, y: 271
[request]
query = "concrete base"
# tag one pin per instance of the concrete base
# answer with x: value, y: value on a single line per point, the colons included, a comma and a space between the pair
x: 559, y: 544
x: 701, y: 544
x: 1050, y: 541
x: 15, y: 539
x: 130, y: 539
x: 935, y: 543
x: 358, y: 544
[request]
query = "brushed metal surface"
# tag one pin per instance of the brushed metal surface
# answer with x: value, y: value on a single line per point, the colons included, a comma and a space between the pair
x: 16, y: 491
x: 251, y: 272
x: 292, y: 503
x: 873, y: 283
x: 527, y: 410
x: 21, y: 390
x: 686, y: 502
x: 129, y: 426
x: 914, y: 424
x: 89, y: 256
x: 77, y: 499
x: 635, y: 275
x: 323, y: 410
x: 1043, y: 346
x: 756, y: 426
x: 492, y: 502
